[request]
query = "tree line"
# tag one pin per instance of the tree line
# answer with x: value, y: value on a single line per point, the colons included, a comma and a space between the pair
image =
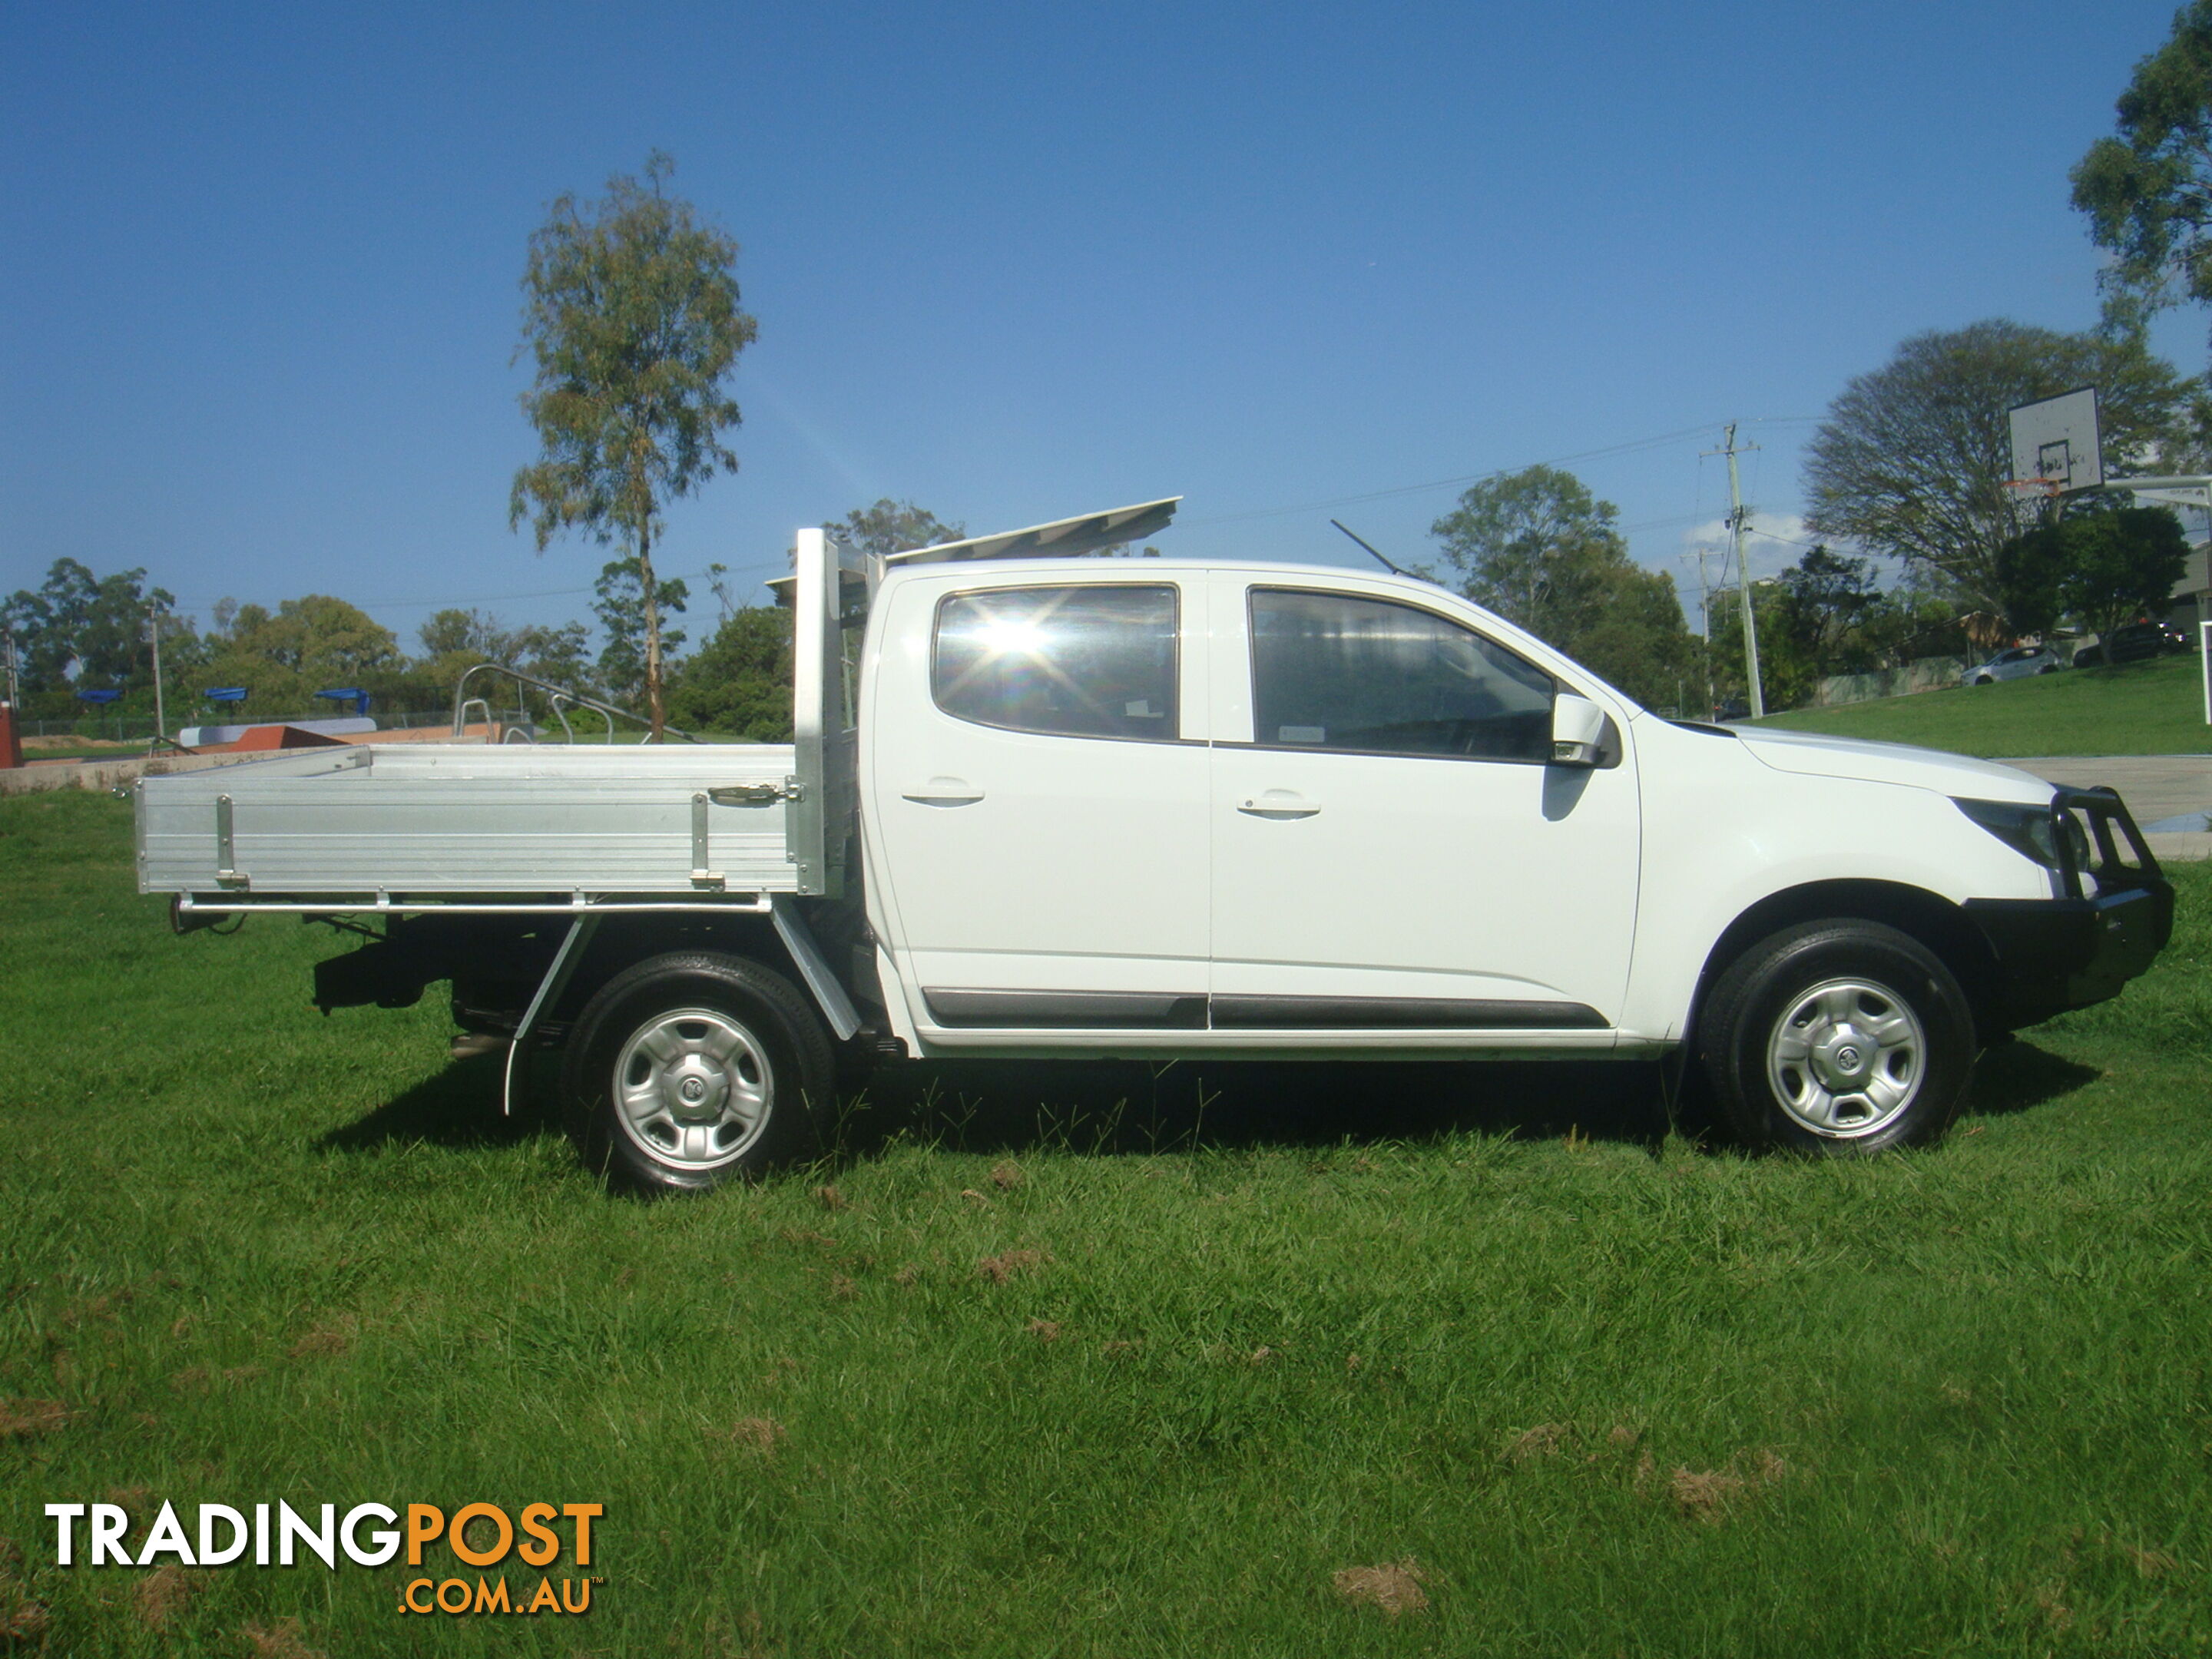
x: 79, y: 631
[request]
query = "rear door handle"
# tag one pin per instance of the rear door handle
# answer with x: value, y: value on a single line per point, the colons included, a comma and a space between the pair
x: 943, y: 792
x: 1279, y: 804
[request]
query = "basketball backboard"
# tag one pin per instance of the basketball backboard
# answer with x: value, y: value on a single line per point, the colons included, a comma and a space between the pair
x: 2055, y: 441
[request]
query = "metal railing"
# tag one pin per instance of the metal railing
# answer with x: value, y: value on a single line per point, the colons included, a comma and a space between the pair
x: 559, y: 698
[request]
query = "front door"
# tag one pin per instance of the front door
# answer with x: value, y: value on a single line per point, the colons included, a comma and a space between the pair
x: 1040, y: 801
x: 1391, y: 847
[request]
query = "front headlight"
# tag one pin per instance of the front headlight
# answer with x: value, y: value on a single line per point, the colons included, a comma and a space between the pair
x: 2032, y: 831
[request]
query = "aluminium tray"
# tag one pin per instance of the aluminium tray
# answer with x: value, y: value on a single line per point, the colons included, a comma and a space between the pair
x: 474, y: 820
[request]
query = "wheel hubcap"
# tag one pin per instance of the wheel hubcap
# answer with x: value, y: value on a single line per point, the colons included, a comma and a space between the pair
x: 1846, y: 1058
x: 693, y: 1087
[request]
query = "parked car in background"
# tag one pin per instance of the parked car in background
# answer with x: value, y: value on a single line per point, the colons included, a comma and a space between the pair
x: 2016, y: 664
x: 2132, y: 643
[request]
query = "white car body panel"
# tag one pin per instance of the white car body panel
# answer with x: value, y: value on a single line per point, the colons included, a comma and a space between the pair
x: 1615, y: 883
x: 1414, y: 875
x: 1079, y: 865
x: 1860, y: 758
x: 1732, y: 828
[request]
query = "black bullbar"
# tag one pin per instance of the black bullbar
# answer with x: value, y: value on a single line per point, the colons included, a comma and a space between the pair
x: 2112, y: 915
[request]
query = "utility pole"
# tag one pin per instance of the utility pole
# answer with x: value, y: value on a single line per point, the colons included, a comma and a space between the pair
x: 14, y: 692
x: 161, y: 720
x: 1742, y: 571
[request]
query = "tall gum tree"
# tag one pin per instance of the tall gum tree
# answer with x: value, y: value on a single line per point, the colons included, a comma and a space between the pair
x: 630, y: 312
x: 2147, y: 189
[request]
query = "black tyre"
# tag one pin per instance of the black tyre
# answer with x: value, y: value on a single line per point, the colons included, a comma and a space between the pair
x: 1984, y: 680
x: 1839, y: 1038
x: 693, y: 1068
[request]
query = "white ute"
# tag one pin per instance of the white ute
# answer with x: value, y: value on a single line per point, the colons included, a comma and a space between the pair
x: 1040, y: 805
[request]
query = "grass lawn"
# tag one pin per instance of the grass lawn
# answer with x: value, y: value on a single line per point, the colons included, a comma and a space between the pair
x: 2154, y: 708
x: 1087, y: 1361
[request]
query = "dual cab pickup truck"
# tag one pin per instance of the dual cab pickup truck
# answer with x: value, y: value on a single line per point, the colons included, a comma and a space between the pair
x: 1047, y: 805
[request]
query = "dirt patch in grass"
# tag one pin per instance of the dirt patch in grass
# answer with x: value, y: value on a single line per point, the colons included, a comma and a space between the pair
x: 281, y: 1640
x: 1001, y: 1267
x: 163, y: 1594
x: 1395, y: 1587
x: 760, y: 1434
x: 1542, y: 1441
x: 1709, y: 1495
x: 102, y: 1307
x: 1705, y: 1495
x: 22, y: 1618
x: 328, y: 1339
x: 22, y: 1419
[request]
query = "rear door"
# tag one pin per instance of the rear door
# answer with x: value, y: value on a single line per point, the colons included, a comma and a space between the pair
x: 1038, y: 783
x: 1391, y: 847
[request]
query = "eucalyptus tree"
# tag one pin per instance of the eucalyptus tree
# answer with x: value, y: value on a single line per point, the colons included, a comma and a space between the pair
x: 2147, y: 188
x: 631, y: 313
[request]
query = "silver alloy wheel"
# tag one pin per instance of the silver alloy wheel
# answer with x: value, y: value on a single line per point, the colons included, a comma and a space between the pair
x: 1847, y: 1058
x: 693, y: 1088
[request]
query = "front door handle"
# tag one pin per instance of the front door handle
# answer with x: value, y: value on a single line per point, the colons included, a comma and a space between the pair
x: 1278, y: 803
x: 942, y: 792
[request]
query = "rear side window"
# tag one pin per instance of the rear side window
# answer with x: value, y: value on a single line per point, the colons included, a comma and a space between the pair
x: 1075, y: 662
x: 1331, y: 671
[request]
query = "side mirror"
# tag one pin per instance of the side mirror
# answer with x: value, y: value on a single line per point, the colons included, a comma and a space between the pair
x: 1577, y: 730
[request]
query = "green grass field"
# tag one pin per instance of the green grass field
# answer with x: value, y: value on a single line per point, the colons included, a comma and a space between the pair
x: 1086, y: 1360
x: 2140, y: 709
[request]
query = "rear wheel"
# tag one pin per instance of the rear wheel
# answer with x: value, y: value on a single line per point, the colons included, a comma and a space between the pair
x: 693, y: 1068
x: 1839, y: 1038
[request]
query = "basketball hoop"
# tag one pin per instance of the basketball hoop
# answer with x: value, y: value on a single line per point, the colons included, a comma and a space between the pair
x: 2056, y: 445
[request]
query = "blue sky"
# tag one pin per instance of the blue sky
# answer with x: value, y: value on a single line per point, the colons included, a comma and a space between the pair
x: 1010, y: 262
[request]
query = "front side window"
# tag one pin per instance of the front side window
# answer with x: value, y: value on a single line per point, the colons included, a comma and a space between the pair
x: 1078, y: 662
x: 1331, y: 672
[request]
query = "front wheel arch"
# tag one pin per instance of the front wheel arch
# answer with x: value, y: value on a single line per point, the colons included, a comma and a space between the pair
x: 1935, y: 922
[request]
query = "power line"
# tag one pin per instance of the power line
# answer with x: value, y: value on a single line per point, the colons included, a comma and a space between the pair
x: 1633, y: 447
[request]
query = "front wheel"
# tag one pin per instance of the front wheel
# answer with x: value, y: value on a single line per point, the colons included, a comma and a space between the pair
x: 1985, y: 679
x: 693, y: 1067
x: 1839, y: 1038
